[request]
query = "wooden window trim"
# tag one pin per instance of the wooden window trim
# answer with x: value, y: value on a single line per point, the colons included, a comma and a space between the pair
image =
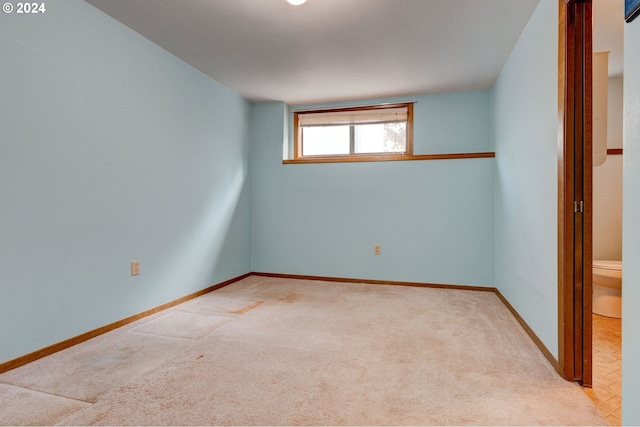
x: 374, y: 157
x: 387, y: 158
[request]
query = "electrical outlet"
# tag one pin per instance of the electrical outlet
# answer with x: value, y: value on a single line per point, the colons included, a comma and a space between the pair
x: 376, y: 250
x: 135, y: 268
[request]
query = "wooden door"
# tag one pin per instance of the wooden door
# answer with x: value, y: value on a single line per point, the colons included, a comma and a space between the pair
x: 575, y: 191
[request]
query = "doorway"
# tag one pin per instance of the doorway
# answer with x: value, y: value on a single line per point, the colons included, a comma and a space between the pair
x: 582, y: 335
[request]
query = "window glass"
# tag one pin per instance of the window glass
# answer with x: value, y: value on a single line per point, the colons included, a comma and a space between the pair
x: 325, y: 140
x: 381, y: 138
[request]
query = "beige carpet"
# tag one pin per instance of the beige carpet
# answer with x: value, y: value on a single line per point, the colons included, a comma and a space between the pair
x: 267, y: 351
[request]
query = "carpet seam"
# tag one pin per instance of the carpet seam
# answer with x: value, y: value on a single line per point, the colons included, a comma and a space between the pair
x: 68, y: 343
x: 89, y: 403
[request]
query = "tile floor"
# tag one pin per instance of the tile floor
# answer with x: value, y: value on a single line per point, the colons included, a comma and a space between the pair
x: 607, y: 368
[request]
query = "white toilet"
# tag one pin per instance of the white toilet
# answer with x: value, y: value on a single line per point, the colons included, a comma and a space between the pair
x: 607, y: 288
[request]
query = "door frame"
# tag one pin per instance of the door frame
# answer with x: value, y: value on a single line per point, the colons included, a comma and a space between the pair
x: 575, y: 175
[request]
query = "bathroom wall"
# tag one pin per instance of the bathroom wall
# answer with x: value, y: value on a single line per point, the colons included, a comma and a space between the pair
x: 631, y: 228
x: 607, y: 184
x: 111, y: 150
x: 525, y: 109
x: 433, y: 219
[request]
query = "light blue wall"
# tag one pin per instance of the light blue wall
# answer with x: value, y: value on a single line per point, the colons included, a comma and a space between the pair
x: 631, y: 228
x: 433, y: 219
x: 111, y: 150
x: 525, y: 106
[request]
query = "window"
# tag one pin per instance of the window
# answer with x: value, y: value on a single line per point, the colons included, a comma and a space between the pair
x: 379, y: 132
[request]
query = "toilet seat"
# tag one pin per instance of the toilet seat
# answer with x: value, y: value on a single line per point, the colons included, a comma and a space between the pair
x: 607, y: 273
x: 607, y: 264
x: 607, y: 288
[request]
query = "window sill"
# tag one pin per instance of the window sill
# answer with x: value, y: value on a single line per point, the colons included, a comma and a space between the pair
x: 387, y: 158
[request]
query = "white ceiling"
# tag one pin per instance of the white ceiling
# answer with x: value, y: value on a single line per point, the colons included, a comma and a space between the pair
x: 331, y: 50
